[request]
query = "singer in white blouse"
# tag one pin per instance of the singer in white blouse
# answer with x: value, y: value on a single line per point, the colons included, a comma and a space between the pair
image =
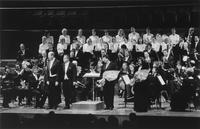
x: 174, y: 38
x: 94, y: 38
x: 43, y: 46
x: 147, y: 38
x: 120, y: 37
x: 67, y: 37
x: 49, y: 38
x: 133, y: 36
x: 80, y: 37
x: 88, y: 47
x: 107, y: 38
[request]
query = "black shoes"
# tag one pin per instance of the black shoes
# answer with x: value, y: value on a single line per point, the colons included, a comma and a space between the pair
x: 108, y: 108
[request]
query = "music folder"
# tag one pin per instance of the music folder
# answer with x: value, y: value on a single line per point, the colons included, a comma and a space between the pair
x: 162, y: 82
x: 126, y: 79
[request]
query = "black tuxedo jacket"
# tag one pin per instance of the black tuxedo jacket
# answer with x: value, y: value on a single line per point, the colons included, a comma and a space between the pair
x: 71, y: 72
x: 33, y: 82
x: 153, y: 55
x: 55, y: 69
x: 197, y: 48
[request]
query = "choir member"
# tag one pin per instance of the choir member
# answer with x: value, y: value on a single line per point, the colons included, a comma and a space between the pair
x: 174, y: 38
x: 43, y: 46
x: 94, y: 38
x: 80, y: 37
x: 148, y: 36
x: 49, y: 38
x: 107, y: 38
x: 120, y: 37
x: 133, y: 36
x: 66, y: 36
x: 140, y: 47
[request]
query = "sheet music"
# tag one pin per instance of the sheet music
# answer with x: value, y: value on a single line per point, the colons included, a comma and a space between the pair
x: 126, y: 79
x: 161, y: 80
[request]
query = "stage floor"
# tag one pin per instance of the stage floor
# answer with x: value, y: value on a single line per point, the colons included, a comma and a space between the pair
x: 119, y: 110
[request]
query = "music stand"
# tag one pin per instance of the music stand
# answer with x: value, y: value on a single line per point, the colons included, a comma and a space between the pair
x: 92, y: 75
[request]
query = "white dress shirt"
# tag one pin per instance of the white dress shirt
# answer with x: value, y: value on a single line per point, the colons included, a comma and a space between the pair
x: 50, y: 66
x: 66, y: 68
x: 36, y: 77
x: 60, y: 48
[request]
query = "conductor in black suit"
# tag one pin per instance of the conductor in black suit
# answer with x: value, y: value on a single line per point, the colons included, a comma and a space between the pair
x: 69, y: 74
x: 53, y: 81
x: 108, y: 90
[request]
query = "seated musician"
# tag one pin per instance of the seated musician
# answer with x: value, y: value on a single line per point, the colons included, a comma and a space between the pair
x: 32, y: 80
x: 7, y: 87
x: 139, y: 48
x: 24, y: 90
x: 124, y: 71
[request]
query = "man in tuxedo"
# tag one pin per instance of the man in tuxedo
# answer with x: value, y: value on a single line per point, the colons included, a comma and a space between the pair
x: 22, y: 53
x: 197, y: 45
x: 53, y: 80
x: 108, y: 90
x: 69, y: 74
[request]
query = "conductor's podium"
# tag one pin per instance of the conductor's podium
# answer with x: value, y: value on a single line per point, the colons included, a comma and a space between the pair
x: 88, y: 105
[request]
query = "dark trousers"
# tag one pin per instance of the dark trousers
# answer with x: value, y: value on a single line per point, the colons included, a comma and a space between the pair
x: 41, y: 96
x: 68, y: 92
x: 54, y: 95
x: 108, y: 92
x: 6, y: 93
